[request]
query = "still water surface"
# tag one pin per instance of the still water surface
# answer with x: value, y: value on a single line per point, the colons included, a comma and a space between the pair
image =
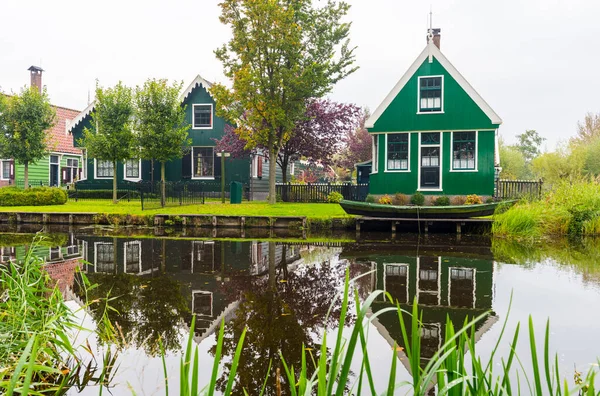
x: 282, y: 293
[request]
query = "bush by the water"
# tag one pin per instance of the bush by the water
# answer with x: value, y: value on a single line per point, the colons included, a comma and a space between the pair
x: 442, y: 201
x: 370, y: 199
x: 572, y: 208
x: 417, y: 199
x: 401, y: 199
x: 473, y: 199
x: 36, y: 196
x: 334, y: 197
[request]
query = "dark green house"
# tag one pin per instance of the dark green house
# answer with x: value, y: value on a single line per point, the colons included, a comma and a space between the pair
x: 433, y: 132
x: 200, y: 164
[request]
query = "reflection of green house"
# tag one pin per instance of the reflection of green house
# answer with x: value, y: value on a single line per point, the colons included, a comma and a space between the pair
x: 200, y: 164
x: 433, y: 132
x: 444, y: 285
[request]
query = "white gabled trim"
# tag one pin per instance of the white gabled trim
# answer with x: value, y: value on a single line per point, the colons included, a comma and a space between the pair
x: 386, y: 154
x: 80, y: 117
x: 198, y: 81
x: 435, y: 52
x: 476, y: 153
x: 211, y: 115
x: 419, y: 95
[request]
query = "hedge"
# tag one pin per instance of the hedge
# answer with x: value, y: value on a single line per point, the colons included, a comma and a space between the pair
x: 36, y: 196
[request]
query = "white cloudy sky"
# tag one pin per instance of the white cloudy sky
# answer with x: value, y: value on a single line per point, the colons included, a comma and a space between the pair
x: 533, y: 61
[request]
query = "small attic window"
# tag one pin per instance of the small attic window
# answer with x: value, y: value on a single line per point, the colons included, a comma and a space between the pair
x: 430, y: 94
x: 202, y: 116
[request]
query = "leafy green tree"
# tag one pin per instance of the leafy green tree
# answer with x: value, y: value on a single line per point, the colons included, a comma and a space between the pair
x: 566, y: 163
x: 111, y: 136
x: 512, y: 161
x: 281, y: 54
x: 529, y: 144
x: 24, y: 120
x: 160, y: 124
x: 588, y: 130
x: 592, y: 158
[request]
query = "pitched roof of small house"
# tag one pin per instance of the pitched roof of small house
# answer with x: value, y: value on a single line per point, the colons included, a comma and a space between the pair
x: 61, y: 140
x: 432, y: 51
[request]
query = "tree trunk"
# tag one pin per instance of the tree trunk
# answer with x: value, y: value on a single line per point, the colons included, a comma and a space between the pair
x: 115, y: 182
x: 272, y: 173
x: 26, y: 173
x: 284, y: 166
x: 163, y: 190
x: 272, y: 266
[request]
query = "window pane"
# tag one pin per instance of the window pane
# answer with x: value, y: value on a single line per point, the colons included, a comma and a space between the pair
x: 463, y: 150
x: 397, y: 151
x: 104, y: 168
x: 202, y: 116
x: 430, y: 138
x: 431, y: 94
x: 5, y: 169
x: 203, y: 158
x: 132, y: 168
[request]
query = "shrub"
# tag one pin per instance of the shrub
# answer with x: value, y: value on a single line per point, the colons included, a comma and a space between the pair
x: 385, y: 200
x: 37, y: 196
x: 473, y: 199
x: 401, y: 199
x: 489, y: 200
x: 417, y: 199
x: 370, y: 199
x: 442, y: 201
x: 334, y: 197
x: 459, y: 200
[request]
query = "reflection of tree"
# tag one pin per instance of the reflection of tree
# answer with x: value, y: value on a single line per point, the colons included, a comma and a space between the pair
x: 143, y: 308
x: 282, y: 310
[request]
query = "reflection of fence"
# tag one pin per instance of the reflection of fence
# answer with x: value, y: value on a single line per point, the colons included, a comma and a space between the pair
x: 518, y: 188
x: 101, y: 191
x: 318, y: 192
x: 179, y: 193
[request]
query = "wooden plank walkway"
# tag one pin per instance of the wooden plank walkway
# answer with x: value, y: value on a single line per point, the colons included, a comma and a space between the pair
x: 393, y: 222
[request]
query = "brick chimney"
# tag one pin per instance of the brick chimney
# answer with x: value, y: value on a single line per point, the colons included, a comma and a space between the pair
x: 36, y: 77
x: 436, y: 36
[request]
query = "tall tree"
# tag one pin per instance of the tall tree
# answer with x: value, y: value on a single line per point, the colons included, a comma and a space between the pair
x: 111, y: 136
x: 589, y: 129
x: 160, y: 124
x: 359, y: 145
x: 317, y: 137
x: 529, y: 144
x: 281, y: 54
x: 24, y: 120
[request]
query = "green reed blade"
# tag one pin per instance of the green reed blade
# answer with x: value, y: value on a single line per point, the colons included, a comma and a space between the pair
x: 534, y: 359
x: 234, y: 364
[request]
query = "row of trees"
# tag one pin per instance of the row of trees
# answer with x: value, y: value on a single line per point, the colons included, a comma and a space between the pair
x: 578, y: 157
x: 147, y: 123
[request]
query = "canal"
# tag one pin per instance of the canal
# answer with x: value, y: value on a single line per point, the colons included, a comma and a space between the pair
x: 282, y: 292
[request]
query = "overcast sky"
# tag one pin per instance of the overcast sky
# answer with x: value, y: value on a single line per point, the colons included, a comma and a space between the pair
x: 533, y: 61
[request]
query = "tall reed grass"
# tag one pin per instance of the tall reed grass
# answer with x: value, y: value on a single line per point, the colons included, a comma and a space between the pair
x: 455, y: 369
x: 571, y: 208
x: 37, y: 356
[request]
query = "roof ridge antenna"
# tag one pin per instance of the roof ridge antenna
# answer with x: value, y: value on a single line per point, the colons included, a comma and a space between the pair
x: 430, y: 30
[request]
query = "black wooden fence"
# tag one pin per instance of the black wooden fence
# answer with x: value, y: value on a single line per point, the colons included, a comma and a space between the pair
x: 181, y: 193
x: 507, y: 189
x: 318, y: 192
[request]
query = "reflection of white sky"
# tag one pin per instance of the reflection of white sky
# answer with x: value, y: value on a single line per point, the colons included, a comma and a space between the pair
x: 542, y: 291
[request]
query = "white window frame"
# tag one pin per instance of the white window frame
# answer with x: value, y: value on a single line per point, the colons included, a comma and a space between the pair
x: 204, y: 244
x: 70, y: 168
x: 419, y: 96
x: 474, y: 270
x: 211, y: 116
x: 11, y: 169
x: 50, y: 163
x: 387, y: 170
x: 96, y: 245
x: 475, y: 150
x: 133, y: 179
x: 139, y: 262
x: 84, y: 164
x: 419, y: 188
x: 438, y: 293
x: 405, y: 265
x: 375, y: 153
x: 212, y: 300
x: 96, y: 171
x: 194, y: 159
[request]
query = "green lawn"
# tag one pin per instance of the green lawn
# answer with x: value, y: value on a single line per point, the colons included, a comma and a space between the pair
x: 310, y: 210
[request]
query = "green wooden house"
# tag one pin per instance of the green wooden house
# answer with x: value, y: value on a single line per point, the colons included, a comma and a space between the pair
x: 200, y: 164
x: 433, y: 132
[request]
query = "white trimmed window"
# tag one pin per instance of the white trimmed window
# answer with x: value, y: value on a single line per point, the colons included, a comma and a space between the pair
x: 84, y: 165
x: 71, y: 171
x: 431, y: 90
x: 132, y: 256
x: 203, y: 163
x: 6, y: 169
x: 132, y: 169
x: 464, y: 150
x: 104, y: 169
x: 202, y: 116
x: 397, y: 151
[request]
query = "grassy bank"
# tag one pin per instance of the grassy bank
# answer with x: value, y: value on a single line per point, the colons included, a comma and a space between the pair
x: 572, y: 208
x: 254, y: 208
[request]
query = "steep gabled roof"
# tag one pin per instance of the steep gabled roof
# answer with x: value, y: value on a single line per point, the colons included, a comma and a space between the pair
x: 198, y: 81
x: 432, y: 51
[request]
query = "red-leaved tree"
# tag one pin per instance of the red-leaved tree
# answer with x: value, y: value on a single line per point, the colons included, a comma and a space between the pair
x: 358, y: 145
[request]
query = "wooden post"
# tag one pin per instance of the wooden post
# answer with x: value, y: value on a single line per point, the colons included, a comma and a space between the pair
x: 393, y: 229
x: 458, y: 227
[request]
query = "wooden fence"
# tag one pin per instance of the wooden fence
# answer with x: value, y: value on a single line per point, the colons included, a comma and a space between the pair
x: 318, y: 192
x: 506, y: 189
